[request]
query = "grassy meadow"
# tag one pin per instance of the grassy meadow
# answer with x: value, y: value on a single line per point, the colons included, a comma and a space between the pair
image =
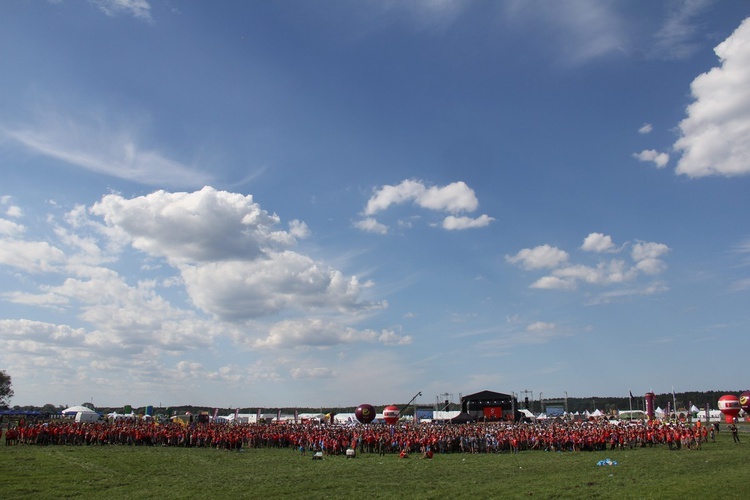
x: 720, y: 469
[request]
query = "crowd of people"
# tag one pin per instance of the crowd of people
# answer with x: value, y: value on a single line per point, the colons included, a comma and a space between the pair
x: 334, y: 439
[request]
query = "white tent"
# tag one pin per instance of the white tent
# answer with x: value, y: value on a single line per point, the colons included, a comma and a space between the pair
x: 527, y: 414
x: 345, y: 418
x: 73, y: 410
x: 444, y: 416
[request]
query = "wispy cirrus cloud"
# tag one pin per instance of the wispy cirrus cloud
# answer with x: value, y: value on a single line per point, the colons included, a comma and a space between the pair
x: 677, y: 38
x: 94, y: 146
x: 140, y: 9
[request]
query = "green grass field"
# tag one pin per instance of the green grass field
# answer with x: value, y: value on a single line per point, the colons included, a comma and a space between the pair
x: 720, y: 469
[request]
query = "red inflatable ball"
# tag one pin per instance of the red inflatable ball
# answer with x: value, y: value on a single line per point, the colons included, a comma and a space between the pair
x: 745, y: 401
x: 730, y: 407
x: 365, y: 413
x: 391, y: 414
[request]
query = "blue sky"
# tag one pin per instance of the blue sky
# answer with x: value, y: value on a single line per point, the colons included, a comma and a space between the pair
x: 331, y: 203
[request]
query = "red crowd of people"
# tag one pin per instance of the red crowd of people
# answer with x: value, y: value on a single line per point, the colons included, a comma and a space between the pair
x: 336, y: 439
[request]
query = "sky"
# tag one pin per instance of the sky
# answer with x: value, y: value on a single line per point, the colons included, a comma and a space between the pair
x: 324, y: 204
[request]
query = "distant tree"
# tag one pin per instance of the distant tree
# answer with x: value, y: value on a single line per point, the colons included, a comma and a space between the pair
x: 49, y: 408
x: 6, y: 391
x: 89, y: 405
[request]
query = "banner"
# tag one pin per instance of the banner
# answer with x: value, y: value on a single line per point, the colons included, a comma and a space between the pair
x: 236, y: 414
x: 257, y: 417
x: 493, y: 412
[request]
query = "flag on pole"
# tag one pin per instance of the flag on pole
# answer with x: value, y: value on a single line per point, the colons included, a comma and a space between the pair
x: 236, y: 414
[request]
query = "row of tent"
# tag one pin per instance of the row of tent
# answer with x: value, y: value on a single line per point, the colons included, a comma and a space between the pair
x: 350, y: 418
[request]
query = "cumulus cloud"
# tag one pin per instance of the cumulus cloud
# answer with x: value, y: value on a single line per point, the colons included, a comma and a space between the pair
x: 11, y: 210
x: 453, y: 223
x: 8, y: 227
x: 454, y: 198
x: 647, y: 259
x: 240, y: 290
x: 651, y: 155
x: 597, y: 242
x: 371, y: 225
x: 553, y: 283
x: 543, y: 256
x: 646, y: 128
x: 30, y: 256
x: 202, y: 226
x: 715, y: 135
x: 235, y: 262
x: 229, y: 269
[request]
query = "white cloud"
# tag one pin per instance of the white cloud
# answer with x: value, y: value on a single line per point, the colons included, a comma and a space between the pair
x: 233, y: 260
x: 623, y: 293
x: 14, y: 211
x: 659, y: 159
x: 540, y: 326
x: 581, y: 30
x: 30, y: 256
x: 646, y: 256
x: 202, y: 226
x: 371, y: 225
x: 605, y: 273
x: 645, y: 129
x: 10, y: 228
x: 457, y: 223
x: 299, y: 229
x: 553, y: 283
x: 317, y: 372
x: 677, y: 37
x: 137, y: 8
x: 93, y: 146
x: 238, y: 290
x: 455, y: 197
x: 407, y: 190
x: 643, y: 250
x: 543, y: 256
x: 715, y: 135
x: 320, y: 333
x: 597, y: 242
